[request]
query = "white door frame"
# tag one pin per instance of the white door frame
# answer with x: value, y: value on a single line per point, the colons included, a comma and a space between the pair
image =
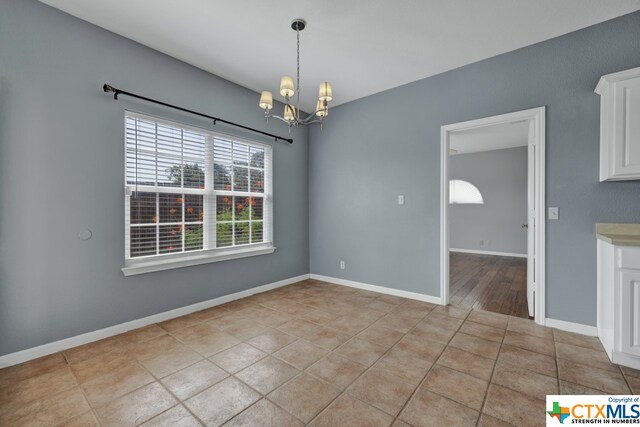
x: 537, y: 117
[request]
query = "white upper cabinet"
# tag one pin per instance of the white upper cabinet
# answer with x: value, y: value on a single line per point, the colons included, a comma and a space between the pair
x: 620, y: 125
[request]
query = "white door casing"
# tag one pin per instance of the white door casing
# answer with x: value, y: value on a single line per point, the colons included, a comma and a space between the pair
x: 536, y: 161
x: 531, y: 218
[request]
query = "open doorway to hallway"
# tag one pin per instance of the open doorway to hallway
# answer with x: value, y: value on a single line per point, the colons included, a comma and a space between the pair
x: 492, y: 241
x: 489, y: 282
x: 488, y: 218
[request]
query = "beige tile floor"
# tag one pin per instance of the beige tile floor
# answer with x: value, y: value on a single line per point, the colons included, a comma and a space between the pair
x: 319, y: 354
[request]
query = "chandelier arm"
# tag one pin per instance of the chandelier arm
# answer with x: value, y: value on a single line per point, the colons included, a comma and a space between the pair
x: 308, y: 118
x: 281, y: 118
x: 310, y: 122
x: 306, y: 121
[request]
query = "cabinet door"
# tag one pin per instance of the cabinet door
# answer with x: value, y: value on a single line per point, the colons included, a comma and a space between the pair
x: 630, y: 312
x: 626, y: 129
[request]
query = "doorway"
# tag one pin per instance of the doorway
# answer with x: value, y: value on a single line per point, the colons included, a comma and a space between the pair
x: 533, y: 121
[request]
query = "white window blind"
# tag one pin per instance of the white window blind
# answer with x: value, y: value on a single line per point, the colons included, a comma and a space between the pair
x: 193, y: 191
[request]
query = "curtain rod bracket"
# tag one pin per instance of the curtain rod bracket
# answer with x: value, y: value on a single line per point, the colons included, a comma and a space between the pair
x: 108, y: 88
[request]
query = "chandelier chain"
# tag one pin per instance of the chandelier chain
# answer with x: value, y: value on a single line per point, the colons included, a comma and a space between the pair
x: 298, y: 73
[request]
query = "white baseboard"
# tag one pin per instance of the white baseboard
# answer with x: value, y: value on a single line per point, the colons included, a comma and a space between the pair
x: 474, y: 251
x: 625, y: 359
x: 552, y: 323
x: 578, y: 328
x: 56, y: 346
x: 380, y: 289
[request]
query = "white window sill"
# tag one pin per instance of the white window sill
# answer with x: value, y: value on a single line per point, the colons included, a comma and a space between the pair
x: 140, y: 266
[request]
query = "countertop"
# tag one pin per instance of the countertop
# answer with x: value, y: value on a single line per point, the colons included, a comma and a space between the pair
x: 619, y: 234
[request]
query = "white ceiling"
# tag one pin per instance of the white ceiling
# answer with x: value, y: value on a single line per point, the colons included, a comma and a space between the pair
x: 494, y: 137
x: 360, y: 46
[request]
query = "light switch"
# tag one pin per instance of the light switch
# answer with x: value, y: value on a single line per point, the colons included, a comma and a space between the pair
x: 553, y: 213
x: 401, y: 199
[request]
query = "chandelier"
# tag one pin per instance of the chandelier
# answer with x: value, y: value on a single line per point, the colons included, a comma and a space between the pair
x: 288, y: 89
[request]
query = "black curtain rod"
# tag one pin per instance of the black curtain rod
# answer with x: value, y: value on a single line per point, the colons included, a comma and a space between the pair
x: 108, y: 88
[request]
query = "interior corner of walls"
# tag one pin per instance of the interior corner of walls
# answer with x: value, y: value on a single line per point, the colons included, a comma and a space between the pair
x: 92, y: 51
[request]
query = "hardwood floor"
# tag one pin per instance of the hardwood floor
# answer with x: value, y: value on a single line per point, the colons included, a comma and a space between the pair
x: 488, y: 282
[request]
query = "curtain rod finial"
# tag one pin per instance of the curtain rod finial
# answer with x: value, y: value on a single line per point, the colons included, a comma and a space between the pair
x: 108, y: 88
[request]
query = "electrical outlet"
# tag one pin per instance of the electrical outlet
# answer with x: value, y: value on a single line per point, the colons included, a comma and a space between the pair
x: 341, y: 265
x: 401, y: 199
x: 487, y: 242
x: 481, y: 242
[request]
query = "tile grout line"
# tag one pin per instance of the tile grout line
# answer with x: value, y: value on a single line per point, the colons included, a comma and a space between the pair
x: 94, y: 409
x: 555, y: 352
x: 421, y: 382
x: 263, y: 396
x: 252, y: 304
x: 466, y: 351
x: 158, y: 380
x: 77, y: 381
x: 79, y: 386
x: 230, y: 375
x: 294, y: 377
x: 626, y: 380
x: 493, y: 370
x: 558, y: 358
x: 139, y: 363
x: 344, y: 392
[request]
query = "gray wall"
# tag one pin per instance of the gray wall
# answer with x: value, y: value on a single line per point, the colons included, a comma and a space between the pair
x: 387, y: 144
x: 501, y: 177
x: 61, y: 170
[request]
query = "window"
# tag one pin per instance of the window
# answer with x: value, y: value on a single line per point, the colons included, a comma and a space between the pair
x: 463, y: 192
x: 192, y: 194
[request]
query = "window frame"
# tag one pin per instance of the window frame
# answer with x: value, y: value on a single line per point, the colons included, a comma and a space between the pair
x: 158, y: 262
